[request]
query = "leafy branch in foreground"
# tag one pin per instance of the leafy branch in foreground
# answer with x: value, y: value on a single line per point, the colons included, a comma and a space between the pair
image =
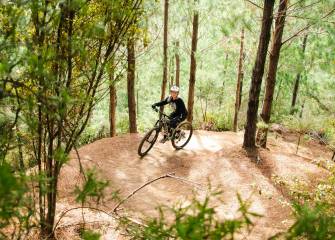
x: 197, y: 220
x: 56, y: 59
x: 92, y: 188
x: 16, y: 206
x: 312, y: 222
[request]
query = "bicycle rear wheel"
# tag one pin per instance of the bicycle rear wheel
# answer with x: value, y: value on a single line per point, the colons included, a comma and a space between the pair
x: 182, y: 135
x: 148, y: 141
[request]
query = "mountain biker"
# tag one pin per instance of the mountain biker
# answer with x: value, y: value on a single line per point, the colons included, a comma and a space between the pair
x: 179, y: 113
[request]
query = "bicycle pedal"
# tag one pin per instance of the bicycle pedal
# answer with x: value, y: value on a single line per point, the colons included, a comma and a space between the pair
x: 163, y: 140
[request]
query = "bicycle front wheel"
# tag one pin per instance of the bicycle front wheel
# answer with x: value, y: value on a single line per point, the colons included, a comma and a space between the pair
x: 148, y: 141
x: 182, y: 135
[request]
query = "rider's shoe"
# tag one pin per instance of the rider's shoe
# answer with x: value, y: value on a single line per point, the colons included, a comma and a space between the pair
x: 176, y: 135
x: 164, y: 139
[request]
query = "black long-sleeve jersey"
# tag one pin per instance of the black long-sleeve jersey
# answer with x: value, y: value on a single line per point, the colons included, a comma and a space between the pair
x: 178, y: 106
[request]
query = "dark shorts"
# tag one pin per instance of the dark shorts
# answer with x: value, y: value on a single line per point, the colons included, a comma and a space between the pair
x: 176, y: 120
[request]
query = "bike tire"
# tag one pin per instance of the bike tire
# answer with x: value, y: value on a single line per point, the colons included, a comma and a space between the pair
x: 145, y: 138
x: 189, y: 137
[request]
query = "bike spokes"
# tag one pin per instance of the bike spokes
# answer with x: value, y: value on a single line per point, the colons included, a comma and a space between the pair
x: 182, y: 135
x: 147, y: 142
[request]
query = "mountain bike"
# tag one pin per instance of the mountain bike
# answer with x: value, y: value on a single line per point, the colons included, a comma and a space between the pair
x: 179, y: 136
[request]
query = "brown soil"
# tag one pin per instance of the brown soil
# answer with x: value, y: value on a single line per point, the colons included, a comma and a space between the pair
x: 209, y: 157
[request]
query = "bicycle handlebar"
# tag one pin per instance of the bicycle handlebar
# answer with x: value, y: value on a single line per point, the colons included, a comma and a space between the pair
x: 159, y: 111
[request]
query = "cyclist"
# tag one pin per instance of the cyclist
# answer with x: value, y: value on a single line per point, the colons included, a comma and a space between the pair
x: 179, y: 113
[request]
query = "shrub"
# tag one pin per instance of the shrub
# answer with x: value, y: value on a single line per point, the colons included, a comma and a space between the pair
x: 16, y: 206
x: 197, y: 220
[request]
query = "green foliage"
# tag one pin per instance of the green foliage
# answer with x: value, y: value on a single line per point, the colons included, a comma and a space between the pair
x: 262, y: 125
x: 314, y: 209
x: 53, y: 61
x: 11, y: 191
x: 220, y: 121
x: 123, y: 123
x: 328, y: 128
x: 196, y: 220
x: 300, y: 125
x: 312, y: 222
x: 92, y: 188
x: 90, y: 235
x: 15, y: 206
x: 48, y: 109
x: 61, y: 156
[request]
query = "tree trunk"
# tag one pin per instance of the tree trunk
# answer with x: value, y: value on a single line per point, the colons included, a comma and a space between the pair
x: 20, y: 145
x: 165, y: 47
x: 271, y: 76
x: 193, y: 66
x: 177, y: 63
x: 131, y: 86
x: 239, y: 82
x: 241, y: 88
x: 112, y: 109
x: 171, y: 72
x: 257, y: 75
x: 297, y: 80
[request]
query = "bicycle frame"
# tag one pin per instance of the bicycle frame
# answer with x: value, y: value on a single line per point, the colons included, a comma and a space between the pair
x: 162, y: 123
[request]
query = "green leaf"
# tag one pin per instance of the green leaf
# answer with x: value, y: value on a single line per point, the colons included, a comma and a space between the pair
x: 61, y: 156
x: 90, y: 235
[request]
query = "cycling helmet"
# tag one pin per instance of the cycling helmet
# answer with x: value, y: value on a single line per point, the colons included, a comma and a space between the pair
x: 174, y: 88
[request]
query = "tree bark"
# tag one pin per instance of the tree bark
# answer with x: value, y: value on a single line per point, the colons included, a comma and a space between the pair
x: 241, y: 85
x: 239, y: 82
x: 131, y: 86
x: 171, y: 72
x: 112, y: 110
x: 297, y: 80
x: 271, y: 76
x: 257, y: 75
x: 193, y: 66
x: 165, y: 47
x: 177, y: 63
x: 112, y: 103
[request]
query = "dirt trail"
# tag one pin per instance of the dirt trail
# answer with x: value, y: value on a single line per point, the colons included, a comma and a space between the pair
x: 217, y: 157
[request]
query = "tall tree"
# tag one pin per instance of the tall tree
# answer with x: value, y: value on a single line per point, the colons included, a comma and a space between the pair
x: 241, y: 87
x: 271, y: 75
x: 193, y: 65
x: 239, y: 82
x: 62, y: 69
x: 131, y: 85
x: 112, y: 105
x: 297, y: 80
x: 177, y: 63
x: 257, y: 75
x: 165, y: 47
x: 171, y: 71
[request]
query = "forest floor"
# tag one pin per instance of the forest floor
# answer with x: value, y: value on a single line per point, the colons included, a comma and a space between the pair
x: 215, y: 157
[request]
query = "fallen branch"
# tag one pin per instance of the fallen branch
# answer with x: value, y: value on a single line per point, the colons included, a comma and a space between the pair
x: 138, y: 189
x: 75, y: 208
x: 168, y: 175
x: 79, y: 223
x: 197, y: 185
